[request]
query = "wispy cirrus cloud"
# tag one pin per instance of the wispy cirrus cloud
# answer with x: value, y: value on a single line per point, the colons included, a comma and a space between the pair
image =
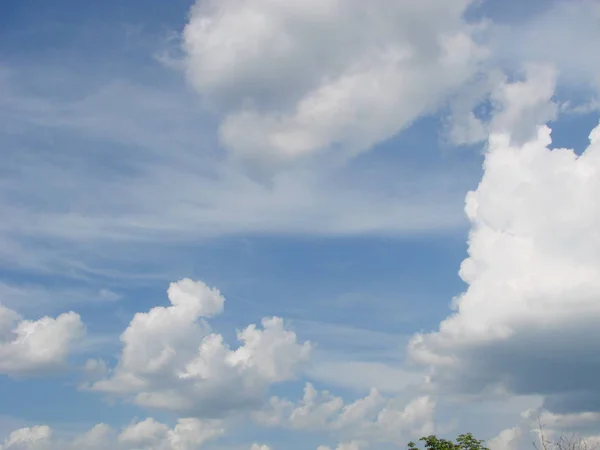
x: 130, y: 164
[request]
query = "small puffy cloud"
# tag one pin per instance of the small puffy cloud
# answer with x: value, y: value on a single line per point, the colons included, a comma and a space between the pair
x: 298, y: 77
x: 155, y: 341
x: 187, y: 434
x: 28, y: 347
x: 34, y: 438
x: 527, y: 323
x: 260, y: 447
x: 352, y: 445
x: 373, y: 418
x: 507, y: 439
x: 95, y: 369
x: 556, y: 424
x: 172, y: 360
x: 144, y: 433
x: 196, y: 298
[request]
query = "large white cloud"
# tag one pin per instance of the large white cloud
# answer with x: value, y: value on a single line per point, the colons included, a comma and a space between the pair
x: 29, y: 347
x: 528, y: 321
x: 187, y: 434
x: 292, y: 78
x: 171, y: 359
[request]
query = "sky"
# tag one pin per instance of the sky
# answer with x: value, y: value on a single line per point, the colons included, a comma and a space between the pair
x: 298, y: 224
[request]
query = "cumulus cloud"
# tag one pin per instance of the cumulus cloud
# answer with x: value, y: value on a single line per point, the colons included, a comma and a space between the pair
x: 34, y: 438
x: 373, y: 418
x: 527, y: 323
x: 187, y: 434
x: 172, y: 360
x: 29, y: 347
x: 546, y: 38
x: 508, y: 439
x: 572, y: 430
x: 523, y: 105
x: 299, y: 77
x: 352, y: 445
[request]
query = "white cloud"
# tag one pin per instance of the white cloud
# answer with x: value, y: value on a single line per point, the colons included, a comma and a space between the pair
x: 507, y: 439
x: 364, y: 72
x: 34, y: 438
x: 557, y: 431
x: 295, y: 78
x: 516, y: 107
x: 97, y: 438
x: 187, y: 434
x: 171, y: 359
x: 571, y: 421
x: 29, y: 347
x: 131, y: 125
x: 386, y: 376
x: 466, y: 121
x: 352, y: 445
x: 523, y: 105
x: 143, y: 433
x: 546, y: 38
x: 373, y: 418
x: 527, y: 322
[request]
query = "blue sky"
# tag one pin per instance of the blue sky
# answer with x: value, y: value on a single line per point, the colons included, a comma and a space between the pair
x: 310, y: 160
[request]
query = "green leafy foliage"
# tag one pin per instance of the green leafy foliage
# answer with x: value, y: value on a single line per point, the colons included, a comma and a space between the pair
x: 463, y: 442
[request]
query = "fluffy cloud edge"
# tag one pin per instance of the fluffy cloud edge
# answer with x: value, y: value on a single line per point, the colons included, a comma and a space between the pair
x: 36, y: 347
x: 172, y: 360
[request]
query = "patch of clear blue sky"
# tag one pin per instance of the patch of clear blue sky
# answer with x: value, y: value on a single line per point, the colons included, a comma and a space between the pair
x: 22, y: 22
x: 397, y: 285
x: 509, y: 11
